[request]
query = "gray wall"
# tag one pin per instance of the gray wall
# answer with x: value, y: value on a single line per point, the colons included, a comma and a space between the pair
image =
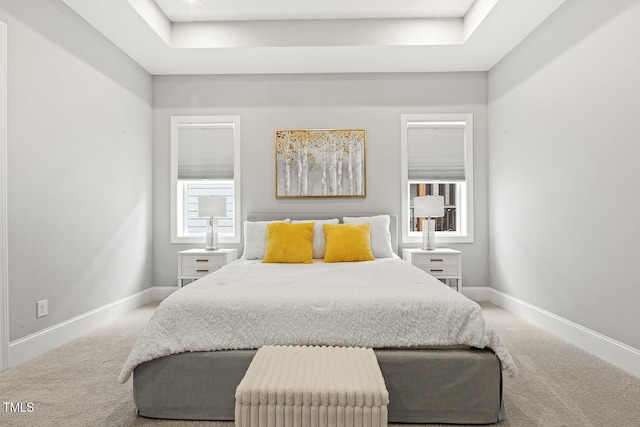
x: 563, y: 168
x: 266, y: 103
x: 79, y: 167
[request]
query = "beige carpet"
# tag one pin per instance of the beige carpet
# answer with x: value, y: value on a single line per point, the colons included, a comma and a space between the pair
x: 557, y: 385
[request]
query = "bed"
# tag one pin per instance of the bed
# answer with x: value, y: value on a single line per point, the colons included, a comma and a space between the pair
x: 440, y: 362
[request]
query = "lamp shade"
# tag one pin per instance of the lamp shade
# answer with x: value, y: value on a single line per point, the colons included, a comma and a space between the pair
x: 212, y: 206
x: 428, y: 206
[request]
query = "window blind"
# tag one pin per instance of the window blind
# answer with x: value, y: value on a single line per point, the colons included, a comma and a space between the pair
x: 205, y: 151
x: 435, y: 151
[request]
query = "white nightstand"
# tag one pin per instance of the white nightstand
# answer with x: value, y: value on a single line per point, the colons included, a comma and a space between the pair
x: 196, y: 263
x: 442, y: 263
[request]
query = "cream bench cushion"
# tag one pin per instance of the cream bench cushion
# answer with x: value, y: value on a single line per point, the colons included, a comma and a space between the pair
x: 287, y: 386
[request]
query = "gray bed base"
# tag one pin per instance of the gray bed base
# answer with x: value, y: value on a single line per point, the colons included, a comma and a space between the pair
x: 425, y: 386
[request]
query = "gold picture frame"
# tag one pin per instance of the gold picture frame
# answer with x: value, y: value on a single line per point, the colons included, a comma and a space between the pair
x: 320, y: 163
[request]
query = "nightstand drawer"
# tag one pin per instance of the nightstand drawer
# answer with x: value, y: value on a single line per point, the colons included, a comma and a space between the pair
x: 424, y: 260
x: 198, y: 271
x: 202, y: 262
x: 440, y: 270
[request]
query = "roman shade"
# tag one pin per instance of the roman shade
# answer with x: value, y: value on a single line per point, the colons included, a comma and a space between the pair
x: 435, y: 151
x: 205, y: 151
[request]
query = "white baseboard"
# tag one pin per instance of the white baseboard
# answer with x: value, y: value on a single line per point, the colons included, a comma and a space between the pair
x: 614, y: 352
x: 618, y: 354
x: 39, y: 342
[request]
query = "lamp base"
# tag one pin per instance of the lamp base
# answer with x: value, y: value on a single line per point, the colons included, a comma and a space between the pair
x: 428, y: 234
x: 211, y: 237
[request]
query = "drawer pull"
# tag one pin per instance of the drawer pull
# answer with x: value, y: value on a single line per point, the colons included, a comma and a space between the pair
x: 202, y: 260
x: 436, y: 260
x: 202, y: 271
x: 436, y: 271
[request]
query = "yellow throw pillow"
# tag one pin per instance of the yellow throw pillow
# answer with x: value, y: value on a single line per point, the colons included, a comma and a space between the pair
x: 347, y: 242
x: 289, y: 243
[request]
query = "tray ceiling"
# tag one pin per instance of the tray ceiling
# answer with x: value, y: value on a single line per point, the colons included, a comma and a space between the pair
x: 300, y: 36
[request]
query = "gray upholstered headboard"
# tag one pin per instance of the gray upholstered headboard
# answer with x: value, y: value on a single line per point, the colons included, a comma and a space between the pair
x: 393, y: 222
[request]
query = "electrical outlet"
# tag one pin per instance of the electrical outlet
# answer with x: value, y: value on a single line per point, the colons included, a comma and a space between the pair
x: 42, y: 308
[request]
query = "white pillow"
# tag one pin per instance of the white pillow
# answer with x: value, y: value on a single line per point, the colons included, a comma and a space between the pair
x: 319, y: 242
x: 255, y: 238
x: 380, y: 236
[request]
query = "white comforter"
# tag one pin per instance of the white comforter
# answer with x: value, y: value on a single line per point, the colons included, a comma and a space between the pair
x: 383, y: 303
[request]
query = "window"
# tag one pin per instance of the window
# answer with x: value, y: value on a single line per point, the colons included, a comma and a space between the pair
x: 450, y: 190
x: 205, y: 161
x: 437, y: 159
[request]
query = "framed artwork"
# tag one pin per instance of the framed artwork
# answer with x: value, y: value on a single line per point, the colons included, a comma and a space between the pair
x: 320, y: 163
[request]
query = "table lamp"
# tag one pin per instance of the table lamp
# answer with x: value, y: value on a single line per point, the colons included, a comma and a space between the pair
x: 212, y: 207
x: 428, y: 207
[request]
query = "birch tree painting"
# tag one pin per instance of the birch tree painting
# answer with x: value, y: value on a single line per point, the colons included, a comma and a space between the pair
x: 320, y: 163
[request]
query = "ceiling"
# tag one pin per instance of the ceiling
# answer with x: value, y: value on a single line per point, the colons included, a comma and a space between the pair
x: 303, y: 36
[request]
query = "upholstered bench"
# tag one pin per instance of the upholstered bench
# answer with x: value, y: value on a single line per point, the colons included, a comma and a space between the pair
x: 299, y: 386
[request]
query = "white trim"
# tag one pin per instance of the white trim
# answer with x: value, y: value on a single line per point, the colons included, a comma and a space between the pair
x: 618, y: 354
x: 47, y: 339
x: 39, y: 342
x: 466, y: 232
x: 176, y: 216
x: 614, y: 352
x: 4, y: 277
